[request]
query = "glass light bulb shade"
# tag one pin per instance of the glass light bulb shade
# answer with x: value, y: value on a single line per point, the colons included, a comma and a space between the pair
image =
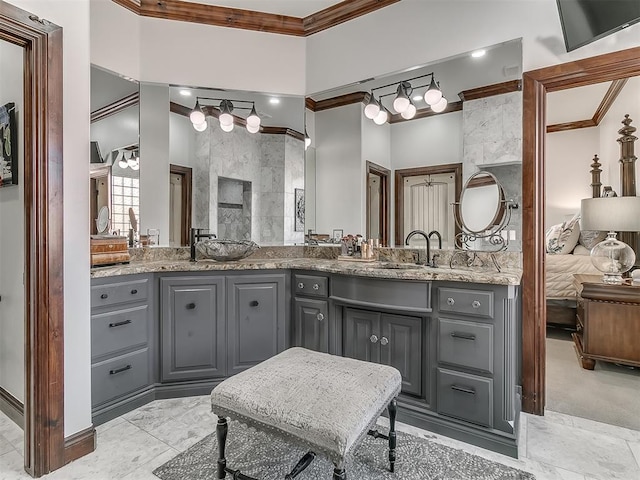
x: 372, y: 109
x: 433, y: 93
x: 253, y: 119
x: 613, y: 258
x: 226, y: 128
x: 381, y: 118
x: 225, y: 119
x: 123, y: 163
x: 201, y: 127
x: 197, y: 115
x: 400, y: 104
x: 252, y: 129
x: 132, y: 161
x: 410, y: 112
x: 135, y: 167
x: 440, y: 106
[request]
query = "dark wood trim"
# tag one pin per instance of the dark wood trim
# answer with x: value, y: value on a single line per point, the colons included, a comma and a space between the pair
x: 536, y: 83
x: 491, y: 90
x: 310, y: 104
x: 115, y: 107
x: 43, y: 184
x: 340, y: 13
x: 341, y: 101
x: 401, y: 174
x: 609, y: 97
x: 94, y: 176
x: 385, y: 186
x: 426, y: 112
x: 481, y: 181
x: 12, y: 407
x: 179, y: 109
x: 253, y: 20
x: 282, y: 131
x: 187, y: 177
x: 79, y: 444
x: 563, y: 127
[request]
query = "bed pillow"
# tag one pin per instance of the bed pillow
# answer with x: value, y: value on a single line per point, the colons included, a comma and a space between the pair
x: 562, y: 238
x: 581, y: 250
x: 590, y: 238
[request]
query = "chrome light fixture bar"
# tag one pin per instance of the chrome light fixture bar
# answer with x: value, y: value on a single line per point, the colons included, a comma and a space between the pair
x: 403, y: 103
x: 226, y: 117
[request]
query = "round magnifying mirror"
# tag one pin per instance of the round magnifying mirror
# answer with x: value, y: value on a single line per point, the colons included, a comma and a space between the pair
x: 481, y: 206
x: 102, y: 222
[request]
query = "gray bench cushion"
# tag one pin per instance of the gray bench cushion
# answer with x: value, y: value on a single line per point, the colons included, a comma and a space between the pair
x: 327, y: 402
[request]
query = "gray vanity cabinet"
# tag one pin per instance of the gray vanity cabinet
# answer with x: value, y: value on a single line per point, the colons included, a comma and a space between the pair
x: 311, y: 317
x: 256, y: 307
x: 390, y: 339
x: 193, y: 328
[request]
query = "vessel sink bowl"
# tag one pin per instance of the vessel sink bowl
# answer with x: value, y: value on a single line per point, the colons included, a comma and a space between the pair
x: 223, y: 250
x: 398, y: 266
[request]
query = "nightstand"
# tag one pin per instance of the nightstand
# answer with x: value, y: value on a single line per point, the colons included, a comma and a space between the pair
x: 608, y: 318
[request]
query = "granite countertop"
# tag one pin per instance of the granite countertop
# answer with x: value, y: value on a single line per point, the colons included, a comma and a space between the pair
x: 401, y: 271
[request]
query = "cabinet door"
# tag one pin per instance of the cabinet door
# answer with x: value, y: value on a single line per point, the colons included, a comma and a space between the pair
x: 256, y: 309
x: 401, y: 347
x: 361, y: 335
x: 193, y: 340
x: 311, y: 324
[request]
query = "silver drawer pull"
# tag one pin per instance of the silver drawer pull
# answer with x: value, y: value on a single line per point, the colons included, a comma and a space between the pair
x: 470, y: 391
x: 134, y: 291
x: 476, y: 304
x: 190, y: 306
x: 384, y: 341
x: 104, y: 296
x: 373, y: 338
x: 254, y: 303
x: 320, y: 316
x: 316, y: 286
x: 119, y: 324
x: 450, y: 301
x: 463, y: 336
x: 120, y: 370
x: 300, y: 285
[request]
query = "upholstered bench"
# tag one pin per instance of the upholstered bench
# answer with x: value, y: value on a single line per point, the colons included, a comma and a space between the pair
x: 323, y: 402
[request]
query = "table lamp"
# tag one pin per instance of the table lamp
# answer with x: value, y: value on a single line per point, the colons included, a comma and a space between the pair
x: 615, y: 214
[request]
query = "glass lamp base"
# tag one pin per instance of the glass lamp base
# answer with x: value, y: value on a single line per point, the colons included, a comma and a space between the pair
x: 612, y: 257
x: 612, y: 278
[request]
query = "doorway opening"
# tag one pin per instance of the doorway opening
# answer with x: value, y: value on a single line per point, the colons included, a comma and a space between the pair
x: 378, y: 198
x: 180, y: 179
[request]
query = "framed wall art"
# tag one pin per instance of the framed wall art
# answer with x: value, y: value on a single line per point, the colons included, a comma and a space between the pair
x: 8, y: 145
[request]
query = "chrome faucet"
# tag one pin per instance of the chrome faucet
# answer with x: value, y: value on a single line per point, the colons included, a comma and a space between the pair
x: 196, y: 234
x: 429, y: 262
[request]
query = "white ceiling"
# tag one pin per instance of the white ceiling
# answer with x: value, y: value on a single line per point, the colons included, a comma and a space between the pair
x: 107, y: 87
x: 291, y: 8
x: 575, y: 104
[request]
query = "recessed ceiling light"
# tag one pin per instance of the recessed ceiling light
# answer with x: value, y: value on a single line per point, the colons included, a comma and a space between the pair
x: 478, y: 53
x: 185, y: 93
x: 274, y: 100
x: 417, y: 98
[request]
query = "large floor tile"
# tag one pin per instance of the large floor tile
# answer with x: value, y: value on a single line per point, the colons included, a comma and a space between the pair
x: 144, y: 472
x: 5, y: 445
x: 12, y: 466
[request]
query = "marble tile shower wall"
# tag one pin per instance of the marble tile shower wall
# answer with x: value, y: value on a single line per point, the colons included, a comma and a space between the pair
x: 260, y: 159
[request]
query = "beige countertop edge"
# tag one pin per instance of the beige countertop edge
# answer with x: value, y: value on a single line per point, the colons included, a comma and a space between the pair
x: 489, y: 276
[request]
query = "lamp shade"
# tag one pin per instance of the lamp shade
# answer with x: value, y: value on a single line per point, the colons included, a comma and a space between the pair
x: 620, y: 214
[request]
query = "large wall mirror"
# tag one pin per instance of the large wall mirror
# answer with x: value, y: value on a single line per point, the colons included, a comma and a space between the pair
x: 430, y: 155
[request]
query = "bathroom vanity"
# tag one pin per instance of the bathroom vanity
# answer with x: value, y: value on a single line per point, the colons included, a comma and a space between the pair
x: 169, y: 329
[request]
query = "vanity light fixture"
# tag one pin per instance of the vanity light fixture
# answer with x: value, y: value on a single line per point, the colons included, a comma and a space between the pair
x: 133, y: 162
x: 403, y: 102
x: 122, y: 163
x: 226, y: 118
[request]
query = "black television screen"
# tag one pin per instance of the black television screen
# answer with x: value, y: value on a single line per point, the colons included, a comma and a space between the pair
x: 584, y: 21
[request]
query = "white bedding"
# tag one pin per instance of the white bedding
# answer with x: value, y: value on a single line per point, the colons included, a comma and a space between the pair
x: 560, y: 270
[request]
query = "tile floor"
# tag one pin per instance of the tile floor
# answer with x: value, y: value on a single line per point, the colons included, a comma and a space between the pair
x: 553, y: 447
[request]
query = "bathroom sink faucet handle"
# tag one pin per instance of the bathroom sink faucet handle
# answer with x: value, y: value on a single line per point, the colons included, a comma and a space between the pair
x: 433, y: 260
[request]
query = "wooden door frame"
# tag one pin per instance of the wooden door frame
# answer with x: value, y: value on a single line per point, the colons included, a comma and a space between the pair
x: 385, y: 197
x: 455, y: 168
x: 536, y: 84
x: 94, y: 175
x: 187, y: 175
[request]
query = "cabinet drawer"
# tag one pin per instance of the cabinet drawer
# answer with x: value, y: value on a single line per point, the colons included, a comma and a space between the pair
x: 466, y: 344
x: 464, y: 396
x: 121, y: 292
x: 118, y: 376
x: 118, y: 330
x: 470, y: 302
x: 311, y: 285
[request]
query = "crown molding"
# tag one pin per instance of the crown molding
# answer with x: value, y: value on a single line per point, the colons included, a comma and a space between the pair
x: 115, y: 107
x: 491, y: 90
x: 253, y: 20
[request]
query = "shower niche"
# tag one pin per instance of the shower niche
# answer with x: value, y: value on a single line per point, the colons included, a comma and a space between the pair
x: 234, y: 209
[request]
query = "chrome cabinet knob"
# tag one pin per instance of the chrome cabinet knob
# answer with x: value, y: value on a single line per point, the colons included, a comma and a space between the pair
x: 384, y: 341
x: 316, y: 286
x: 475, y: 304
x: 301, y: 285
x: 450, y: 301
x: 373, y: 338
x: 320, y: 316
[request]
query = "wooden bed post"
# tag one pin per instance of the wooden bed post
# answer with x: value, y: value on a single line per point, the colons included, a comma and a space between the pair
x: 595, y: 177
x: 628, y: 176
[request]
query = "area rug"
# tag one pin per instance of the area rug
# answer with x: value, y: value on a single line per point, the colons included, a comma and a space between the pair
x: 266, y: 457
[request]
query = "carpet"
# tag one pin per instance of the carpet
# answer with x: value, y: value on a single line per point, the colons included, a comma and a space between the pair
x: 607, y: 394
x: 266, y: 457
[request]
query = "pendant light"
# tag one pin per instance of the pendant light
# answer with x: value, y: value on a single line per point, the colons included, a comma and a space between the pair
x: 440, y: 106
x: 410, y: 112
x: 401, y: 102
x: 225, y: 118
x: 226, y: 128
x: 433, y: 93
x: 197, y: 115
x: 372, y: 109
x: 253, y: 119
x: 382, y: 116
x: 122, y: 163
x: 132, y: 160
x: 251, y: 129
x: 201, y: 127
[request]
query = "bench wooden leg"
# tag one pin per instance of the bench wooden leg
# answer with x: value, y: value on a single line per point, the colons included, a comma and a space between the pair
x: 339, y: 474
x: 221, y: 432
x: 393, y: 407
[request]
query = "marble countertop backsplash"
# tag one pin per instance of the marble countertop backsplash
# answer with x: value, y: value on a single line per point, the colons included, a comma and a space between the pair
x: 324, y: 259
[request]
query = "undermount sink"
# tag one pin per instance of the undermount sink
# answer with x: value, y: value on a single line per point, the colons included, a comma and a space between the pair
x: 223, y: 250
x: 398, y: 266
